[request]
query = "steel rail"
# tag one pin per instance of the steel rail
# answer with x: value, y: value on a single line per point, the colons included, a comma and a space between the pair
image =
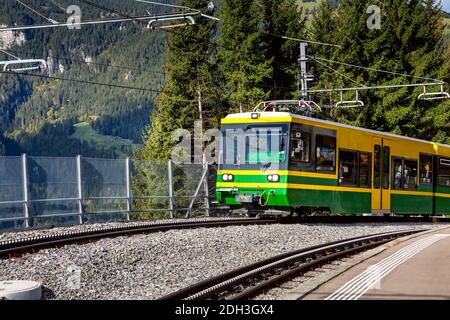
x: 248, y: 281
x: 32, y: 244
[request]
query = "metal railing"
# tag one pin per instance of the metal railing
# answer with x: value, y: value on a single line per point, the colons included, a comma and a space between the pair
x: 36, y: 188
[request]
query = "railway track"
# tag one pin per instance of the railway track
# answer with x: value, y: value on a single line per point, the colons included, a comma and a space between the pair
x: 251, y: 280
x: 32, y: 244
x: 366, y: 219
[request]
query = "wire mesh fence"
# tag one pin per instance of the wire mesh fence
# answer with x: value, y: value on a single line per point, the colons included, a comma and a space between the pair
x: 41, y: 190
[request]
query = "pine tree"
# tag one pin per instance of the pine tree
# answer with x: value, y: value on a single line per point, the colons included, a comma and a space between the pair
x: 243, y: 55
x: 409, y: 41
x: 190, y: 72
x: 282, y: 18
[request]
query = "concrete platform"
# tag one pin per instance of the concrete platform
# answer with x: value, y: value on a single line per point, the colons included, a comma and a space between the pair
x: 20, y: 290
x: 417, y: 267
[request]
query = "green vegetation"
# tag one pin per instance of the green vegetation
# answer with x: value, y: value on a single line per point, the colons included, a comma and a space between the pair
x: 410, y: 41
x: 85, y: 133
x: 233, y: 64
x: 122, y: 54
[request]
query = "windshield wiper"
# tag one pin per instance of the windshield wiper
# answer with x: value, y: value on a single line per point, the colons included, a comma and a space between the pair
x: 266, y: 166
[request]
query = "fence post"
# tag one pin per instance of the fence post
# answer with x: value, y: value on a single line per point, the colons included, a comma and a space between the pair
x: 127, y: 180
x: 25, y: 191
x: 170, y: 176
x: 80, y: 191
x: 206, y: 186
x: 197, y: 191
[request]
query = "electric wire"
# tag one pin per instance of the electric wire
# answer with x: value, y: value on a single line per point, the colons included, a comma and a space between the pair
x: 375, y: 70
x: 80, y: 81
x: 341, y: 74
x: 164, y: 4
x: 9, y: 54
x: 36, y: 12
x: 115, y: 66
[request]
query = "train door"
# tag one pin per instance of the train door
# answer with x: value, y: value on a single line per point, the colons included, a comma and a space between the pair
x: 376, y: 172
x: 435, y: 176
x: 385, y: 176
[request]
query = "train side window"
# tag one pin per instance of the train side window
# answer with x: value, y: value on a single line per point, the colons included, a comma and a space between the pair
x: 397, y: 173
x: 410, y: 174
x: 348, y: 173
x: 377, y: 167
x: 444, y: 172
x: 325, y: 153
x: 426, y: 169
x: 364, y: 169
x: 386, y: 159
x: 301, y: 145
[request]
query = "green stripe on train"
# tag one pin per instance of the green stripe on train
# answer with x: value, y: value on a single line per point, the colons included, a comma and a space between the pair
x: 337, y: 201
x: 283, y: 179
x: 409, y: 204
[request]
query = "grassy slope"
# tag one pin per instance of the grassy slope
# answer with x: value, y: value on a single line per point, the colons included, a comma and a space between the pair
x: 84, y: 132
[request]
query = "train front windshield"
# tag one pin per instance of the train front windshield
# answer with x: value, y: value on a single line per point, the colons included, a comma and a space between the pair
x: 254, y: 146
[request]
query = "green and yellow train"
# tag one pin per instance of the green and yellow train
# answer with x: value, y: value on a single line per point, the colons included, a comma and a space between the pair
x: 284, y: 162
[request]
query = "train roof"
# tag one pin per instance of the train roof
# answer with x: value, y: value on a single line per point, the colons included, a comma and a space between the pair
x: 287, y: 117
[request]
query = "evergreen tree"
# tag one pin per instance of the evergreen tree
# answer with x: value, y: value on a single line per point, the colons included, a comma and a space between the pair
x: 409, y: 41
x: 190, y: 72
x: 243, y: 55
x: 282, y: 18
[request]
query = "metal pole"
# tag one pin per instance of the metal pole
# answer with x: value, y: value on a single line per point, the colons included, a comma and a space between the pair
x: 169, y: 169
x: 303, y: 70
x: 80, y: 191
x: 206, y: 186
x: 127, y: 179
x: 25, y: 190
x: 191, y: 205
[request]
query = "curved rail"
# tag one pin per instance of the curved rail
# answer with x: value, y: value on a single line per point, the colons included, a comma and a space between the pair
x: 31, y: 244
x: 248, y: 281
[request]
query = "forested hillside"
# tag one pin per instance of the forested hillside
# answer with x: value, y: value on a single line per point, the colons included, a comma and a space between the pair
x: 38, y: 116
x: 233, y: 64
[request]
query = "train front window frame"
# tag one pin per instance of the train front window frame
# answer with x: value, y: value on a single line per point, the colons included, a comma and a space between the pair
x: 325, y: 153
x: 249, y: 146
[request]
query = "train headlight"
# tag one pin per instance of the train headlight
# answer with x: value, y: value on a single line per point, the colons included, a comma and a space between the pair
x: 227, y: 177
x: 273, y: 178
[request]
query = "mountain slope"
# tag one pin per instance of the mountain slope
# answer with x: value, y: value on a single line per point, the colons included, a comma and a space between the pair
x: 119, y: 54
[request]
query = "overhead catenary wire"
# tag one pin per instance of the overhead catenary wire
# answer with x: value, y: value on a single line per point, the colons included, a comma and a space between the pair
x: 95, y: 83
x: 80, y: 81
x: 36, y: 12
x: 109, y: 65
x: 375, y: 70
x: 9, y: 54
x: 339, y: 73
x: 164, y: 4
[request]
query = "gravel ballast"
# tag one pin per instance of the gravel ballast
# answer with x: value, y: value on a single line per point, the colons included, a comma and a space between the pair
x: 150, y: 266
